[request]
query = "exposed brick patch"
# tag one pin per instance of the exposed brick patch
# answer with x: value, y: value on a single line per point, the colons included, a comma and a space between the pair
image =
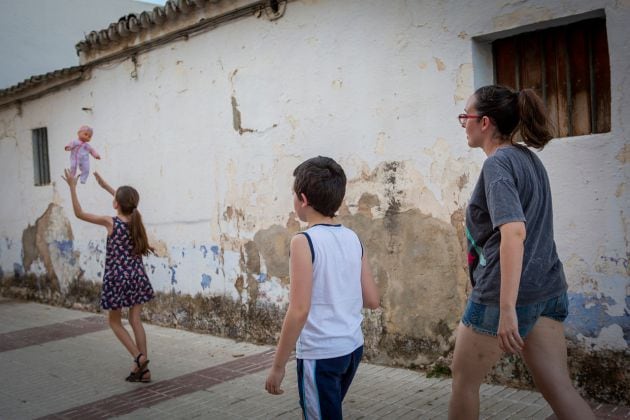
x: 53, y: 332
x: 153, y: 394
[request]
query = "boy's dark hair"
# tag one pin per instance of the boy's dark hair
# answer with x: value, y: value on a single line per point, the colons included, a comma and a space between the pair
x: 323, y: 182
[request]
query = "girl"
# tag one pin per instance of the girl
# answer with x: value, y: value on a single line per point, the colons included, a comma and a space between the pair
x: 125, y: 282
x: 519, y: 296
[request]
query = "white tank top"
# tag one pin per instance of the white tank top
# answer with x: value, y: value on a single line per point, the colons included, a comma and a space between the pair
x: 333, y: 326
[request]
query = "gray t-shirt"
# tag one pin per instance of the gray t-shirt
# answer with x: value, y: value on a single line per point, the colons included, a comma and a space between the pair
x: 513, y: 187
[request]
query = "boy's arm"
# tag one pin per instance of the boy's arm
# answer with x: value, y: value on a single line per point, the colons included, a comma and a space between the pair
x: 104, y: 184
x: 301, y: 272
x: 105, y: 221
x: 369, y: 290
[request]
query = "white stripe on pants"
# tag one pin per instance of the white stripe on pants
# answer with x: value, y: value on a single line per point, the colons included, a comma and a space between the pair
x: 311, y: 395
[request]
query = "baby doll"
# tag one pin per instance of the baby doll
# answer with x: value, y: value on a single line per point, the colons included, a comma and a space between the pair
x: 80, y: 151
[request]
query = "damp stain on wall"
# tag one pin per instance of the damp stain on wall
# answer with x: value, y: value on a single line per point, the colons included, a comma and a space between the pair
x: 417, y: 264
x: 50, y: 241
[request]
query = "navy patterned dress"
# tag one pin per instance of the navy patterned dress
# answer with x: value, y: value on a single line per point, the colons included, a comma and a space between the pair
x: 125, y: 282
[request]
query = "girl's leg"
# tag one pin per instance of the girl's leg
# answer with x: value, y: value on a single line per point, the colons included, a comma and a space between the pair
x: 138, y: 329
x: 115, y: 323
x: 475, y: 354
x: 545, y: 354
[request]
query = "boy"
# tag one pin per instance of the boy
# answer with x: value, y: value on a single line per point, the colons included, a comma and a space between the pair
x: 330, y: 282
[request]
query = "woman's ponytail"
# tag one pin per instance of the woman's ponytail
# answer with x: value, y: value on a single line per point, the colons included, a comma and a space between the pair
x: 513, y: 113
x: 534, y: 126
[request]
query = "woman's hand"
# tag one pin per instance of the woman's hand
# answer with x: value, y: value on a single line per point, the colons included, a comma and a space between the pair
x: 510, y: 340
x: 71, y: 180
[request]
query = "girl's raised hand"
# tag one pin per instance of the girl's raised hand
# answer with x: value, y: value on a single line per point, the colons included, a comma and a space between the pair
x: 99, y: 179
x: 71, y: 180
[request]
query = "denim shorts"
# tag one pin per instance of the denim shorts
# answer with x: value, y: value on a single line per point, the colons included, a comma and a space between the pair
x: 484, y: 319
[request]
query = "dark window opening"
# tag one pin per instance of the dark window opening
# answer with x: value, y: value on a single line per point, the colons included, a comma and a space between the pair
x: 40, y: 156
x: 568, y: 66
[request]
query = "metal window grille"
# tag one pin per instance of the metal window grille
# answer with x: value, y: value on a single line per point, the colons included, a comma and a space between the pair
x: 40, y: 156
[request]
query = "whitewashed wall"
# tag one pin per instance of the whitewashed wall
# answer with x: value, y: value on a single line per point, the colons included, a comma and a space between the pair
x: 369, y: 83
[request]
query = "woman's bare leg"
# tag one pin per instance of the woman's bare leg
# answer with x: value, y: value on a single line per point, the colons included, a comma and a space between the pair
x: 545, y: 354
x: 475, y: 354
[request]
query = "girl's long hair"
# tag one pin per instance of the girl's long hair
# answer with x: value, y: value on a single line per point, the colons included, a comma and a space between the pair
x: 128, y: 198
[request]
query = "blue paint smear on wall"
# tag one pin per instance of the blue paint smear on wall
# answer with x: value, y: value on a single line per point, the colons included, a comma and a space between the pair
x: 262, y: 277
x: 66, y: 249
x: 587, y: 316
x: 95, y: 247
x: 205, y: 281
x: 18, y: 270
x: 173, y: 272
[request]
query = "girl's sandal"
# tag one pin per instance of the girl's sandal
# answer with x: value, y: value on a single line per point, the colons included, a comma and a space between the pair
x: 139, y: 373
x: 139, y: 376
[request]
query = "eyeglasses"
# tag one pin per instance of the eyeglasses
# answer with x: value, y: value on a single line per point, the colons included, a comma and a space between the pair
x: 464, y: 117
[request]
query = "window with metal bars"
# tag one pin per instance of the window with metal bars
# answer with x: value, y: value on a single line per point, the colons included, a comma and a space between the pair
x: 568, y: 66
x: 40, y: 156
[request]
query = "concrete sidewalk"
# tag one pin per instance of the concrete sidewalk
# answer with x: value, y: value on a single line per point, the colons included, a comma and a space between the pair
x: 63, y: 364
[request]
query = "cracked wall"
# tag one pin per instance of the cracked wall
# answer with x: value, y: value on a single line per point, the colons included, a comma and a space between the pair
x: 219, y: 133
x: 50, y: 243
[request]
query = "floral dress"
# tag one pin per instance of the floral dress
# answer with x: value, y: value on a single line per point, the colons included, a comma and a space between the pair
x: 125, y: 282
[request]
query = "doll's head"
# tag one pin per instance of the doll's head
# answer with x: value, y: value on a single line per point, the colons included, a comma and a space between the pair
x: 85, y: 133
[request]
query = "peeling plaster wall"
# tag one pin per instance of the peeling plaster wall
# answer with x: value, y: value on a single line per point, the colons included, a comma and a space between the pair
x: 210, y: 129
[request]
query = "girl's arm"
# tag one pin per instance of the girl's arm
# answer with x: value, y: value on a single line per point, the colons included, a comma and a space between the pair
x: 105, y: 221
x: 301, y: 272
x: 369, y: 290
x: 104, y: 184
x: 511, y: 260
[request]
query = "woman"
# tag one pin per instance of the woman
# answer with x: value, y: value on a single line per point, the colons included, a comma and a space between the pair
x: 519, y: 296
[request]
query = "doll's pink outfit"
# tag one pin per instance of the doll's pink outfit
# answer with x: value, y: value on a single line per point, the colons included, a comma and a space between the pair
x: 80, y: 152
